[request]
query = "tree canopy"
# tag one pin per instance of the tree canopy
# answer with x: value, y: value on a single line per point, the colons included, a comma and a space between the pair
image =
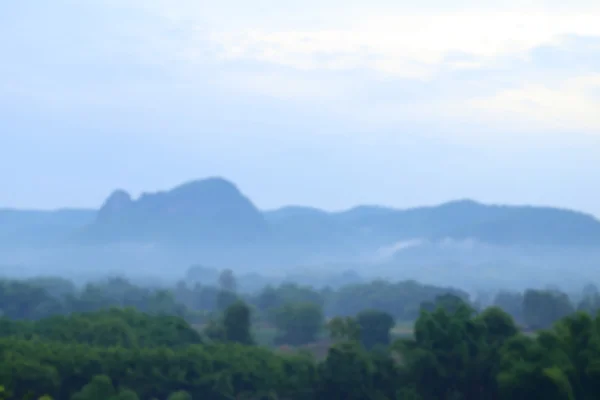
x: 454, y: 352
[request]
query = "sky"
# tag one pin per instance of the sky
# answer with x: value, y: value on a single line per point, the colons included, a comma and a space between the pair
x: 323, y: 103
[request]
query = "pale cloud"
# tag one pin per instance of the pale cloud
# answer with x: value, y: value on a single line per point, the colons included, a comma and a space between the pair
x: 283, y: 86
x: 413, y: 46
x: 381, y: 63
x: 559, y: 106
x: 568, y: 106
x: 498, y: 46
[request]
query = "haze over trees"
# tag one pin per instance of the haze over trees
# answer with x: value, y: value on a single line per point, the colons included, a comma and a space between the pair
x: 369, y: 303
x: 211, y: 222
x: 387, y: 225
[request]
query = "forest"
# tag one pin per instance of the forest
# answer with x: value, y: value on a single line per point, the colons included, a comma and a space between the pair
x: 113, y: 339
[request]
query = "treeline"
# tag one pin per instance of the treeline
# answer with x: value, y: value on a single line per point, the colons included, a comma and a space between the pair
x: 197, y: 302
x: 126, y: 328
x: 536, y: 309
x: 455, y: 353
x: 200, y: 303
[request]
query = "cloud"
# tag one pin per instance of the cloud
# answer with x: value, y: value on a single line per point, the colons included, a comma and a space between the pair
x: 414, y: 46
x: 567, y: 106
x: 384, y: 64
x: 515, y: 70
x: 445, y: 103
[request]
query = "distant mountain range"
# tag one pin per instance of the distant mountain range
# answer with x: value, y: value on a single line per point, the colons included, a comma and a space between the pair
x: 210, y: 222
x: 214, y: 212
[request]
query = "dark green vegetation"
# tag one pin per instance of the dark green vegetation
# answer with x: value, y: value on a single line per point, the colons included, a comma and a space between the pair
x: 65, y: 342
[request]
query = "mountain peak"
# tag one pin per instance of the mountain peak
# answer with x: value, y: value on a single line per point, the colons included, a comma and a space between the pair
x: 462, y: 203
x: 117, y: 202
x: 119, y: 196
x: 204, y: 208
x: 214, y: 186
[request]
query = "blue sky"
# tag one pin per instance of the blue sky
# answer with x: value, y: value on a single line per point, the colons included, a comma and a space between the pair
x: 322, y: 103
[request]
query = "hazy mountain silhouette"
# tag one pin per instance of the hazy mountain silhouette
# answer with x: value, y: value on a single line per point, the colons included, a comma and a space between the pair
x: 201, y: 211
x: 210, y: 222
x: 214, y: 211
x: 27, y: 227
x: 463, y: 219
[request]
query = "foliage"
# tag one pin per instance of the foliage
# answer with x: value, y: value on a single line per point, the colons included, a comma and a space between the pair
x: 511, y: 302
x: 348, y: 373
x: 541, y: 308
x: 150, y: 352
x: 126, y: 328
x: 402, y: 300
x: 375, y: 327
x: 344, y: 329
x: 298, y: 323
x: 236, y: 323
x: 66, y: 371
x: 197, y: 302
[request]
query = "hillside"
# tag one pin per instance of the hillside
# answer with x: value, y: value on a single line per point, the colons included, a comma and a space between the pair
x: 460, y: 220
x: 26, y: 227
x: 204, y: 211
x: 211, y: 221
x: 214, y: 213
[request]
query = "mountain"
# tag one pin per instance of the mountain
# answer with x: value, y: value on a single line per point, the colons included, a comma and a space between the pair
x: 199, y: 212
x: 458, y: 220
x: 214, y: 211
x: 211, y: 222
x: 26, y: 227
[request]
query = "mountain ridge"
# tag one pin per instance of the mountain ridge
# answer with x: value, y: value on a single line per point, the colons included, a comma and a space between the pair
x: 206, y: 210
x: 214, y: 210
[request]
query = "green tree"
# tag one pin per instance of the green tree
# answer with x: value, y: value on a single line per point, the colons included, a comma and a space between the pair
x: 344, y: 329
x: 375, y: 328
x: 214, y: 330
x: 181, y: 395
x: 511, y: 302
x: 99, y: 388
x: 268, y: 299
x: 298, y: 323
x: 456, y: 355
x: 499, y: 325
x: 347, y: 374
x: 225, y: 299
x: 237, y: 323
x: 126, y: 394
x: 541, y: 308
